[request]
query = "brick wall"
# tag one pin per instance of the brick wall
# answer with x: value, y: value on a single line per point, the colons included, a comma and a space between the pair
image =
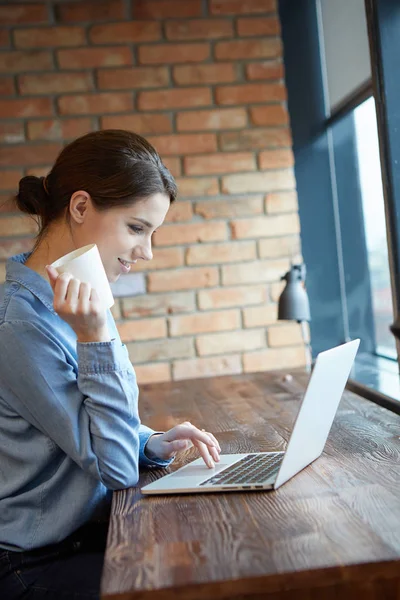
x: 203, y: 81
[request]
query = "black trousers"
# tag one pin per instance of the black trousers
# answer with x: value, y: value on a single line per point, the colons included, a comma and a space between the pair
x: 69, y: 570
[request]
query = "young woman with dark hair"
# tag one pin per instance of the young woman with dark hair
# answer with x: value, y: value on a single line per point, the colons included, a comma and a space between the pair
x: 70, y: 431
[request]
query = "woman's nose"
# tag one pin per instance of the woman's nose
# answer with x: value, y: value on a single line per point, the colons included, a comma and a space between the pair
x: 146, y: 252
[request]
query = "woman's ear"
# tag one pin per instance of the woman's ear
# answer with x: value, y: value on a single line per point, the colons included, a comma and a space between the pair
x: 79, y: 206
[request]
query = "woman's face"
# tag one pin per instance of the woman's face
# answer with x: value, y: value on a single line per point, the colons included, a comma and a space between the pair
x: 123, y: 235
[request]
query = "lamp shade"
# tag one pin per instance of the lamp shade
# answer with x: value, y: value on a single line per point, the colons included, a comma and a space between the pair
x: 293, y: 302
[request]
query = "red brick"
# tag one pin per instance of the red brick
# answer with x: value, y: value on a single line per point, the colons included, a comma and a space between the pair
x: 223, y: 118
x: 270, y: 226
x: 87, y: 58
x: 4, y: 38
x: 164, y: 349
x: 44, y: 130
x: 23, y: 13
x: 265, y: 70
x: 190, y: 233
x: 183, y: 143
x: 10, y: 247
x: 54, y: 129
x: 281, y: 202
x: 239, y: 49
x: 173, y: 53
x: 11, y: 132
x: 167, y: 9
x: 49, y: 37
x: 210, y: 164
x: 9, y: 179
x: 276, y: 159
x: 194, y: 368
x: 199, y: 29
x: 252, y: 139
x: 134, y: 77
x: 250, y: 93
x: 260, y: 316
x: 208, y: 254
x: 268, y: 181
x: 276, y: 358
x: 18, y: 225
x: 238, y: 7
x: 234, y: 341
x: 163, y: 258
x: 142, y: 329
x: 25, y: 107
x: 36, y: 154
x: 275, y: 290
x: 272, y: 114
x: 232, y: 296
x: 258, y: 26
x: 152, y: 373
x: 140, y: 123
x: 7, y: 87
x: 158, y: 304
x: 221, y: 320
x: 254, y: 272
x: 173, y: 164
x: 199, y: 74
x: 168, y: 99
x: 20, y: 61
x: 197, y: 187
x: 276, y: 247
x: 95, y: 103
x: 179, y: 211
x: 131, y: 32
x: 54, y: 83
x: 184, y: 279
x: 234, y: 207
x: 98, y: 10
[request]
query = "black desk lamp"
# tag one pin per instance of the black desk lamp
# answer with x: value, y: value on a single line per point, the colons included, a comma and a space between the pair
x: 293, y: 304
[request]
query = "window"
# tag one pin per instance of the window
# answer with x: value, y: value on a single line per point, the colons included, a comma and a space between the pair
x: 375, y: 227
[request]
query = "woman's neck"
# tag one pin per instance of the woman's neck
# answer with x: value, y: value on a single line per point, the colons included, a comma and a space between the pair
x: 56, y: 243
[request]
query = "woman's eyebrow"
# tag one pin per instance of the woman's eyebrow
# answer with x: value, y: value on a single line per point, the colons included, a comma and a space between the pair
x: 143, y: 221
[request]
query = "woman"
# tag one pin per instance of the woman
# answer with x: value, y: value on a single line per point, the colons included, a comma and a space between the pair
x: 70, y: 432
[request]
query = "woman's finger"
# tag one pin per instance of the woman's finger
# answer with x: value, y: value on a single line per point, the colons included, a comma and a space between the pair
x: 177, y: 446
x: 83, y: 300
x: 189, y: 431
x: 73, y: 291
x: 204, y: 452
x: 214, y: 439
x: 53, y: 275
x: 60, y: 288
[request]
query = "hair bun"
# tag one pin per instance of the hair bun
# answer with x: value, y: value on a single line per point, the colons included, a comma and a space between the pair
x: 31, y: 197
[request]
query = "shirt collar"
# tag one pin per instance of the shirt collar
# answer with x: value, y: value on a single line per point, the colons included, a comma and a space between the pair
x: 32, y: 281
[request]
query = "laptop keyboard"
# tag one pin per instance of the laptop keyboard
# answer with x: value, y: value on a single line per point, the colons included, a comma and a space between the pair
x: 253, y: 468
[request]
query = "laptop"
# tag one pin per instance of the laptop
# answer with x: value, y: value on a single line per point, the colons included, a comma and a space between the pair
x: 270, y: 470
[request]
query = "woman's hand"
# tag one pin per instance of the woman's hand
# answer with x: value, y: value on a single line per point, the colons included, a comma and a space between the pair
x: 181, y: 437
x: 79, y: 305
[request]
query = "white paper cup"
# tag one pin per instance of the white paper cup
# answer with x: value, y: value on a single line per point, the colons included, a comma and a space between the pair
x: 86, y: 265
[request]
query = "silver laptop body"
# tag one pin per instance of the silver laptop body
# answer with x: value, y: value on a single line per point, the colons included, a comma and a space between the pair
x: 269, y: 470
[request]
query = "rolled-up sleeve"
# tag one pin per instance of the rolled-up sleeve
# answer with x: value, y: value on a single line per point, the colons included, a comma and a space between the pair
x: 92, y: 415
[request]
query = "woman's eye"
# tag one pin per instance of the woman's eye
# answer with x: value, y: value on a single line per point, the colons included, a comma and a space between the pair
x: 135, y: 229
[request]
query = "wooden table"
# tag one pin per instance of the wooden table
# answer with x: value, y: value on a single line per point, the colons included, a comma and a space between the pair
x: 332, y: 532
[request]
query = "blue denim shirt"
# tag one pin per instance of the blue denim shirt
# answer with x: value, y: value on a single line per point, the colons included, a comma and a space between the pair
x: 69, y: 425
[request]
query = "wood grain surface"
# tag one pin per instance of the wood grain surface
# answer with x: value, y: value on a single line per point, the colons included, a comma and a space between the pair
x: 331, y: 532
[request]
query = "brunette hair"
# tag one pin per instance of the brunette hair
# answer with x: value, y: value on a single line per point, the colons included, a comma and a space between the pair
x: 114, y: 166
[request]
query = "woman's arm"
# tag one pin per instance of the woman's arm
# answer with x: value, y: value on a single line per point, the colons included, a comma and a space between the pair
x: 92, y: 417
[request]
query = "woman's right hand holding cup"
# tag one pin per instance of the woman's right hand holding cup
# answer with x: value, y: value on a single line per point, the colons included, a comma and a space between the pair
x: 78, y: 304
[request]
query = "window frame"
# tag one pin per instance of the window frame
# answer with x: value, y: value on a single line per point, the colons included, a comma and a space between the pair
x: 312, y: 145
